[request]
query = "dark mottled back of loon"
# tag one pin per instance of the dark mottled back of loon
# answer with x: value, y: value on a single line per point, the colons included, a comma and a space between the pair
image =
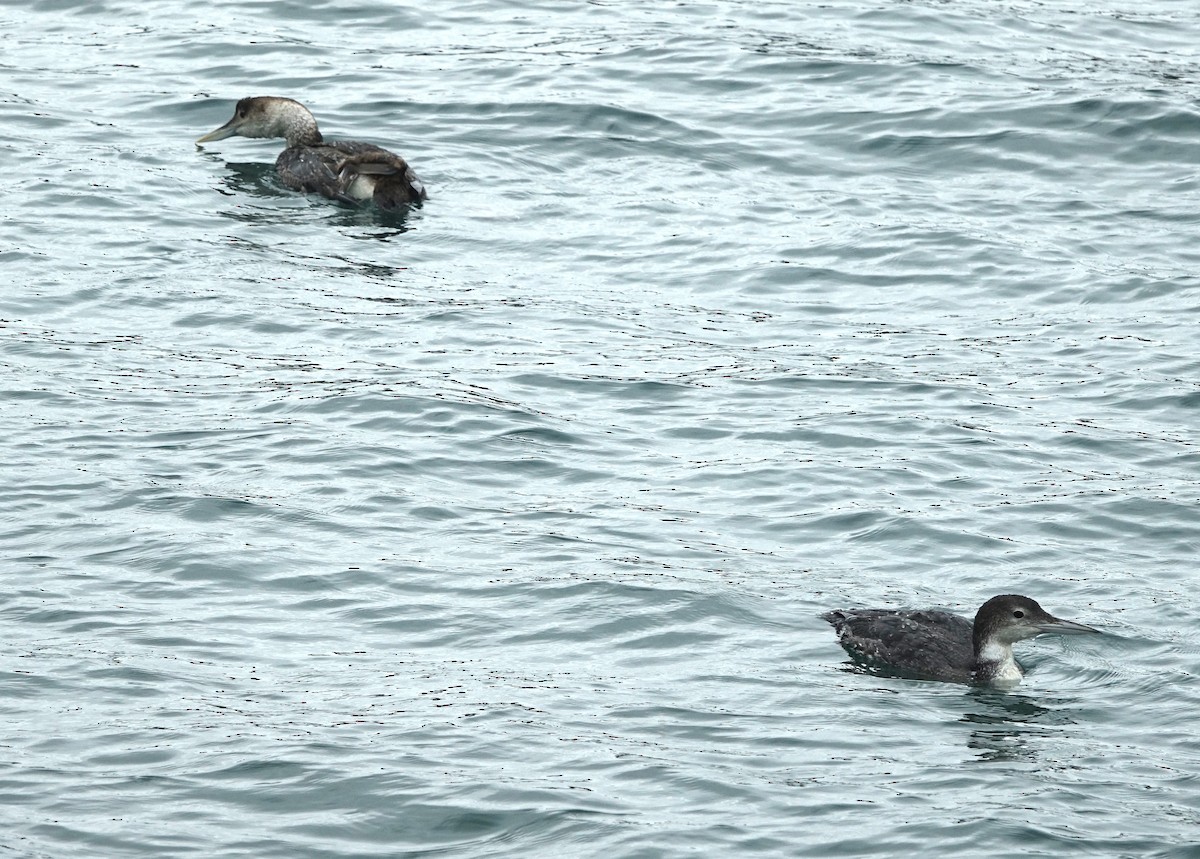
x: 934, y: 645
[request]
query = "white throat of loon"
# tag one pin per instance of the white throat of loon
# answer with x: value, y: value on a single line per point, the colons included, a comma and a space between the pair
x: 995, y: 664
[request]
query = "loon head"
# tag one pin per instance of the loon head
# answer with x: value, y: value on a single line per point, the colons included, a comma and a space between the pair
x: 1003, y: 621
x: 269, y: 116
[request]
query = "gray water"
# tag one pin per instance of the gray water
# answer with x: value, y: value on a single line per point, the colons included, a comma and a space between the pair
x: 504, y: 527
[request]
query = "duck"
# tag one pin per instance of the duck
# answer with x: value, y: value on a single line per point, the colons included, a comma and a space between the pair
x: 348, y: 171
x: 938, y: 645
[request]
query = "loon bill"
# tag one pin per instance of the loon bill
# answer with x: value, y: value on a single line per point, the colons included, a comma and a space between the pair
x: 346, y: 170
x: 937, y: 645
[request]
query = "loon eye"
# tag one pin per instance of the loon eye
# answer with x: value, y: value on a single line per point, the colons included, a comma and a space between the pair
x: 1018, y: 613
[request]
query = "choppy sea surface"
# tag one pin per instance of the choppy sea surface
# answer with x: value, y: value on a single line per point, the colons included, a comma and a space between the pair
x: 503, y: 527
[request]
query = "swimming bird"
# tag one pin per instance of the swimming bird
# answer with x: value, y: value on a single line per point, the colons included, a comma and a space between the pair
x: 345, y: 170
x: 937, y: 645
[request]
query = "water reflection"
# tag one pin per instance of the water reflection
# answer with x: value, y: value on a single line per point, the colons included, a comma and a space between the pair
x: 248, y: 177
x: 1004, y: 723
x: 259, y: 180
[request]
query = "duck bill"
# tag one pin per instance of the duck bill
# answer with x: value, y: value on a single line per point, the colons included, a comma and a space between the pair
x: 1054, y: 626
x: 227, y: 130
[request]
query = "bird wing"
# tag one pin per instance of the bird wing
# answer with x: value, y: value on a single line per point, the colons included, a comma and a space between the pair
x: 331, y: 168
x: 366, y: 158
x: 312, y: 169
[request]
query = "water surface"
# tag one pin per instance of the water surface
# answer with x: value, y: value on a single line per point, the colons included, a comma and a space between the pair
x: 504, y: 527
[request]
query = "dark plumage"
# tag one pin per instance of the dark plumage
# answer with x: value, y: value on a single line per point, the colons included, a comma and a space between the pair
x: 345, y: 170
x: 937, y: 645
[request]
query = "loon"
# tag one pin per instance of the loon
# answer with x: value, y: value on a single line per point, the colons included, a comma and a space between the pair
x: 344, y: 170
x: 937, y: 645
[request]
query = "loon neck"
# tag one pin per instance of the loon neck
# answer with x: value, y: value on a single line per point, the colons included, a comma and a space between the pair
x: 299, y: 127
x: 995, y: 663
